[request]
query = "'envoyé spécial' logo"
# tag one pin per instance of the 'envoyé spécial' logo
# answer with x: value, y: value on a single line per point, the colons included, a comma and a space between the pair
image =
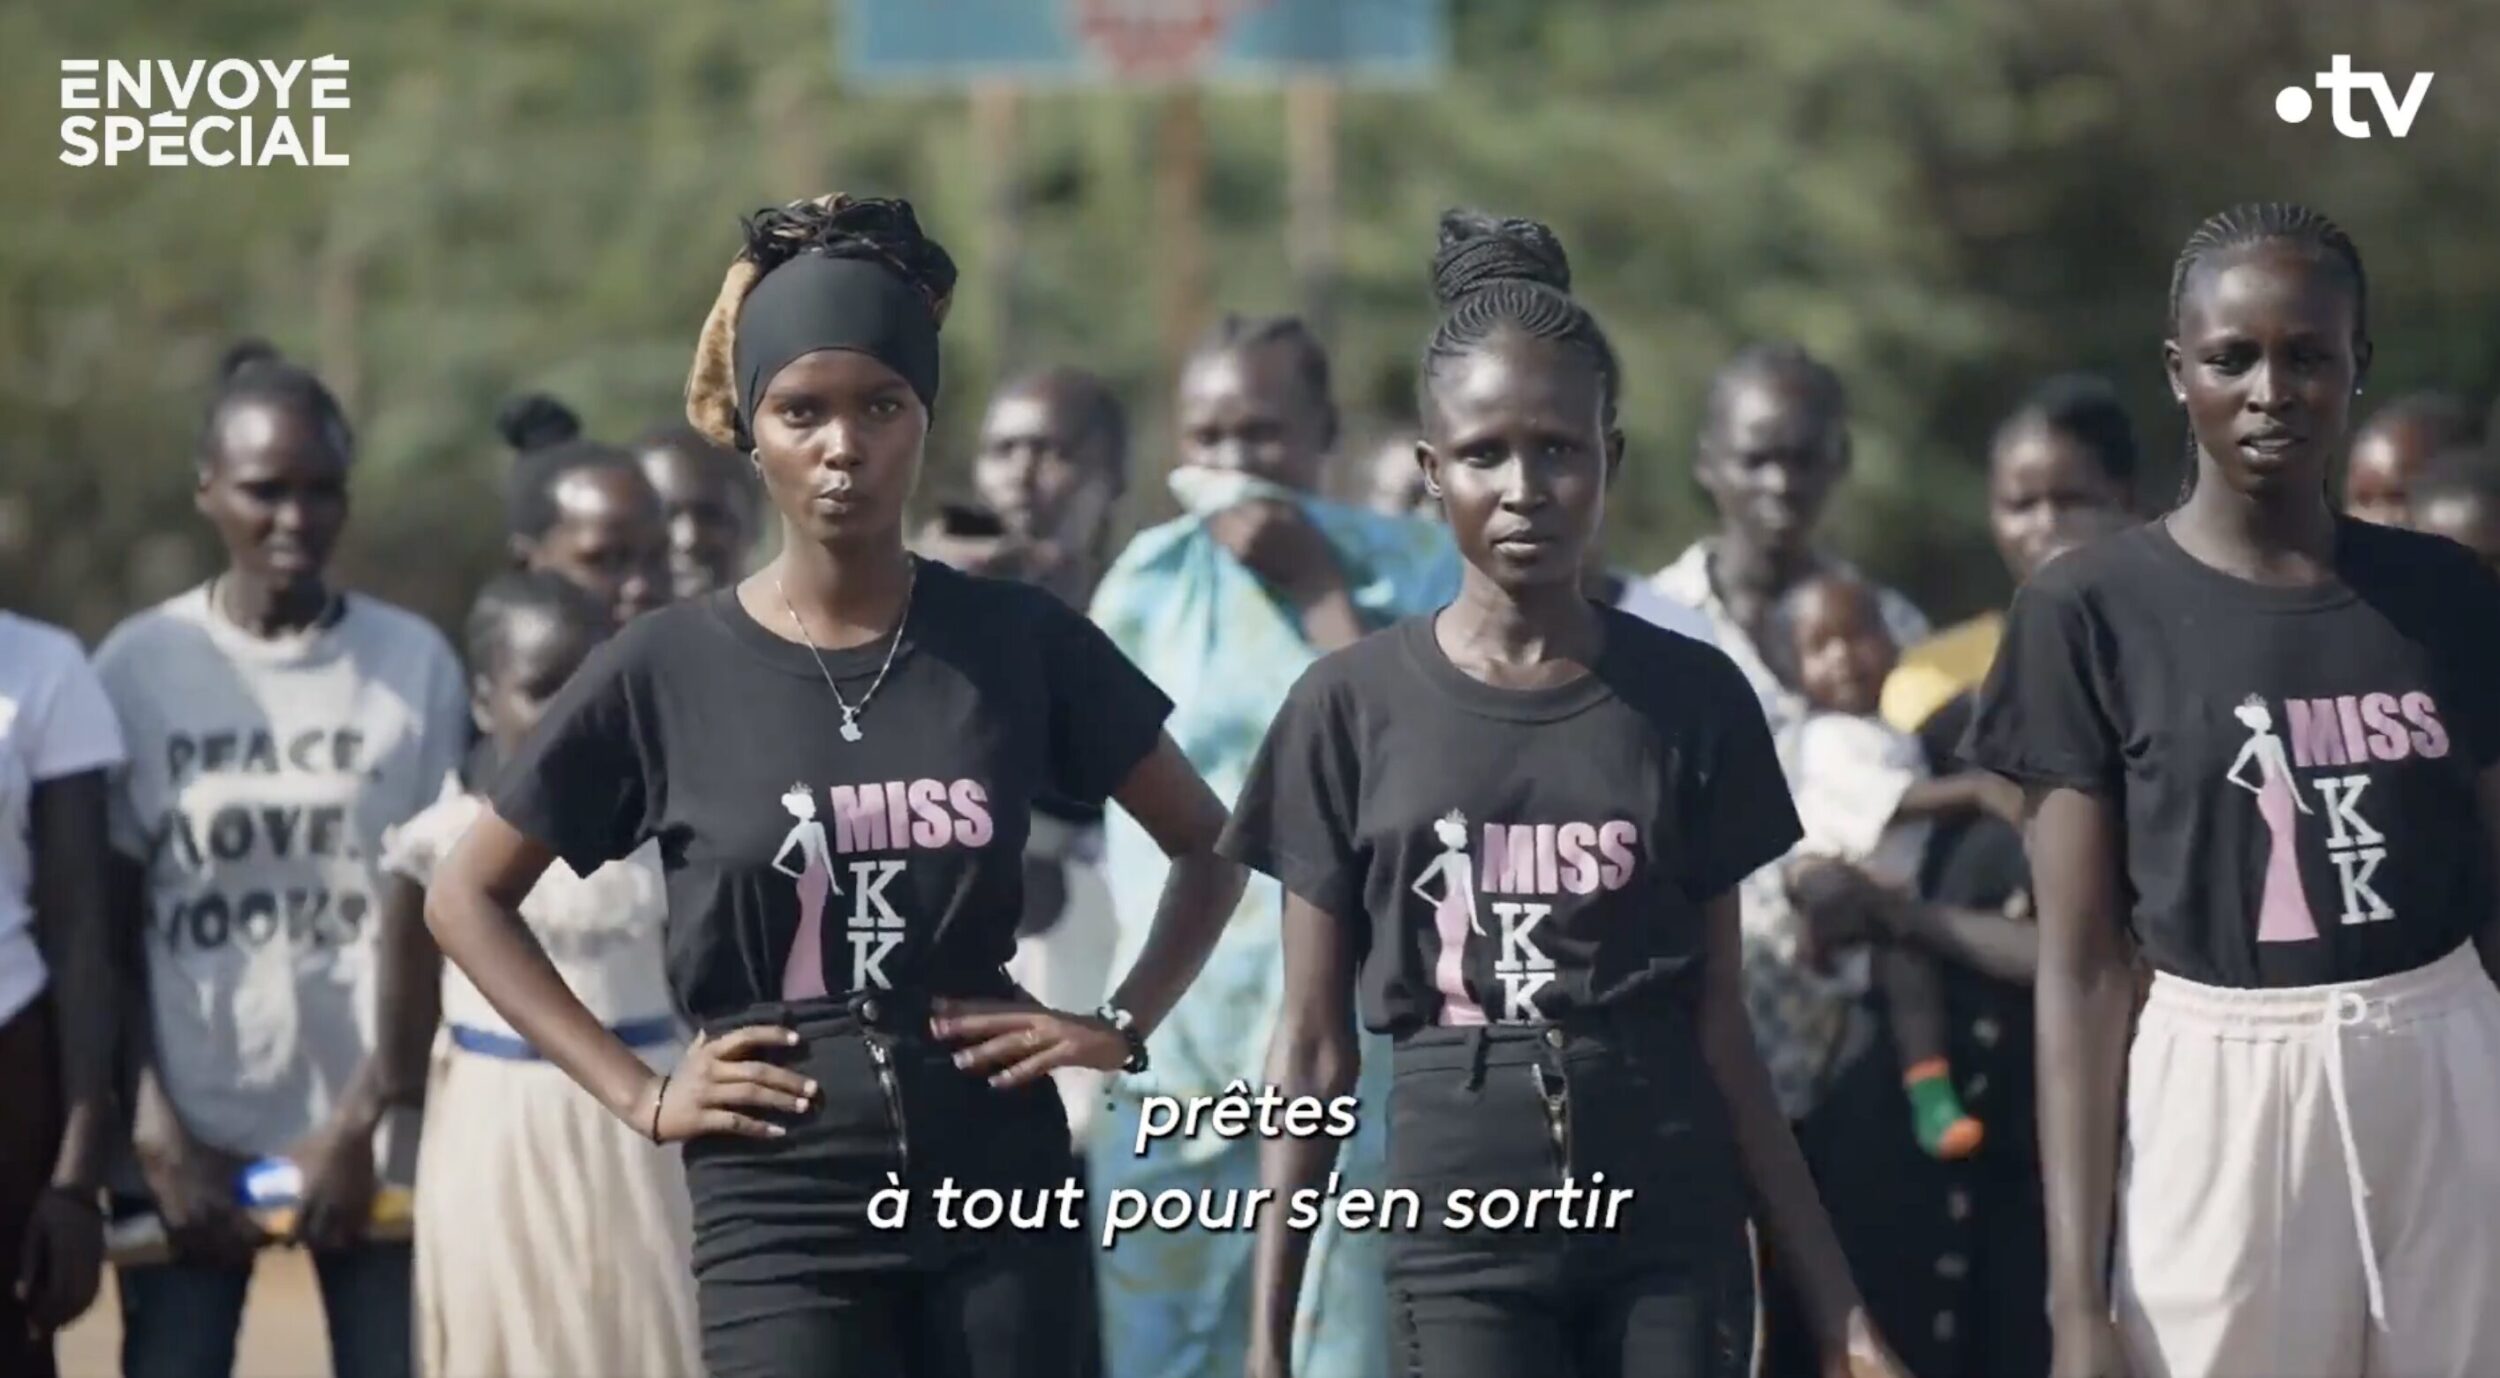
x: 2293, y: 103
x: 235, y: 112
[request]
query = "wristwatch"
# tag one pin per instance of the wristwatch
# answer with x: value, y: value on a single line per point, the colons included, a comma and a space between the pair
x: 1126, y: 1024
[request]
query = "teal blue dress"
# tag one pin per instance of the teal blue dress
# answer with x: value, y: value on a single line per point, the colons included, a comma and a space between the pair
x: 1177, y: 1305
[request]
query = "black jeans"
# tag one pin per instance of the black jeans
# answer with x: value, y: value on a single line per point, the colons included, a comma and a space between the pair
x: 1659, y: 1291
x: 794, y: 1277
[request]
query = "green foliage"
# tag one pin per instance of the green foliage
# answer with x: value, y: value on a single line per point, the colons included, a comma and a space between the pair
x: 1946, y: 198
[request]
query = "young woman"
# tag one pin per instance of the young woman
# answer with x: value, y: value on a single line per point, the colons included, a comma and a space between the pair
x: 582, y: 510
x: 709, y: 499
x: 2061, y: 470
x: 550, y: 1236
x: 57, y: 739
x: 1224, y: 606
x: 2272, y: 730
x: 838, y: 758
x: 1582, y: 1015
x: 277, y: 726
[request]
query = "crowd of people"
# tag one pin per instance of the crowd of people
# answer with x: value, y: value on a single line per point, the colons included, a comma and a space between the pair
x: 2102, y: 987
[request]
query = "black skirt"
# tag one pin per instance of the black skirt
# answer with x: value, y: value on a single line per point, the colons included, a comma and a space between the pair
x: 892, y: 1111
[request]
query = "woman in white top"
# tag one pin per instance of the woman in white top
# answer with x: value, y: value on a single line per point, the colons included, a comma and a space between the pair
x: 277, y: 727
x: 551, y: 1238
x: 57, y: 738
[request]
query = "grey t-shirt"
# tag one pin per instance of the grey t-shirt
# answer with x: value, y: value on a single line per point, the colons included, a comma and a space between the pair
x: 262, y: 776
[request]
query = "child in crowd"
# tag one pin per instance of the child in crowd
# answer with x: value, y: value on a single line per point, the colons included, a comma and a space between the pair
x: 551, y: 1237
x: 1864, y: 795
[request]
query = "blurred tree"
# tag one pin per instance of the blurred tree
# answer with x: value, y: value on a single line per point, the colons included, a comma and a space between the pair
x: 1946, y: 198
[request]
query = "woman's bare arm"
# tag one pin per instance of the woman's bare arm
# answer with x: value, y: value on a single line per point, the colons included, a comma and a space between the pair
x: 2086, y: 1000
x: 1169, y: 799
x: 474, y: 911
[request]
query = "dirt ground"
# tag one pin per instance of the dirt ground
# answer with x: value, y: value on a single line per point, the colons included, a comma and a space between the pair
x: 282, y: 1330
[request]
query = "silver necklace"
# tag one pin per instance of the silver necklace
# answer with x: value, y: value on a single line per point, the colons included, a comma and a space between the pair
x: 851, y: 712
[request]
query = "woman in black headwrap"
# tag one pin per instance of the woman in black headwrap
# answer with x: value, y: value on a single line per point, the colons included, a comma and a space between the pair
x: 838, y: 756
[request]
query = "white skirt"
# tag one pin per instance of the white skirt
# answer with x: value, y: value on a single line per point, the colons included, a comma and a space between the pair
x: 551, y: 1240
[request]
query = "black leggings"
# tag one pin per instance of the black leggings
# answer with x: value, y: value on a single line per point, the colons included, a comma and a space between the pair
x: 1014, y: 1312
x: 1662, y: 1294
x: 793, y: 1277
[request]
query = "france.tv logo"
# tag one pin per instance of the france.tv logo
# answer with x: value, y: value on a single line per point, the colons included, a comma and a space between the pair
x: 2294, y: 104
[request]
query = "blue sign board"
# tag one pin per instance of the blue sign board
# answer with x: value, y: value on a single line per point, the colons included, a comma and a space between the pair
x: 1069, y: 42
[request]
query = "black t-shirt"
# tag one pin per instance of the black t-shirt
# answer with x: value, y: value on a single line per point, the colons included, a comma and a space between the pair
x: 2296, y: 767
x: 699, y: 727
x: 1510, y: 856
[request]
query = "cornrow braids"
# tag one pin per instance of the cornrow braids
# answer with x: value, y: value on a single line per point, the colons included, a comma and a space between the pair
x: 877, y: 229
x: 1233, y: 333
x: 511, y: 596
x: 253, y: 372
x: 1492, y: 274
x: 2262, y: 222
x: 2085, y: 408
x: 547, y: 444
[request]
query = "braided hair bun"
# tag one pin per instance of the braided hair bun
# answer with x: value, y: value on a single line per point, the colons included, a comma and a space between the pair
x: 1492, y: 274
x: 1478, y: 250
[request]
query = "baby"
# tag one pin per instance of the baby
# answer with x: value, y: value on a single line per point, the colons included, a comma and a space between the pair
x: 1864, y: 795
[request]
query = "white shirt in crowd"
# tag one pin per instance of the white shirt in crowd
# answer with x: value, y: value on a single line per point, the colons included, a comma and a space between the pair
x: 263, y: 775
x: 1808, y: 1023
x: 1645, y: 601
x: 603, y: 932
x: 54, y: 722
x: 1687, y: 581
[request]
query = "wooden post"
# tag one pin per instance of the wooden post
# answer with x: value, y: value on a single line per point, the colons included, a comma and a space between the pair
x: 996, y: 106
x: 1180, y: 205
x: 1311, y: 152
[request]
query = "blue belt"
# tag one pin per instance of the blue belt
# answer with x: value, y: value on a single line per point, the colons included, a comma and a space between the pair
x: 637, y: 1033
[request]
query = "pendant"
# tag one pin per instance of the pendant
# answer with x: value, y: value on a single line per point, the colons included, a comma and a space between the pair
x: 850, y: 728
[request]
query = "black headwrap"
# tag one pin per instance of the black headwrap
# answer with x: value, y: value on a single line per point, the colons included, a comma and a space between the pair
x: 815, y: 302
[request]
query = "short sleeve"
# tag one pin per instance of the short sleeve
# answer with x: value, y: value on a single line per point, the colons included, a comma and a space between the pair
x: 2040, y: 717
x: 78, y: 731
x: 1294, y: 818
x: 1105, y: 714
x: 1735, y: 796
x: 581, y: 782
x: 413, y: 849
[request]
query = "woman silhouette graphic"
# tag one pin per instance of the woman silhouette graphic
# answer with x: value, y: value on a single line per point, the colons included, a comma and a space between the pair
x: 2283, y: 909
x: 1454, y: 916
x: 803, y: 972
